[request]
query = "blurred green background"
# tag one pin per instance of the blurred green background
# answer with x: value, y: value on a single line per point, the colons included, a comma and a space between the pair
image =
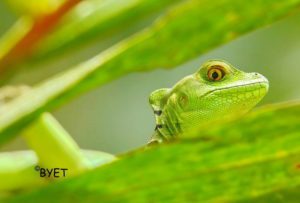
x: 117, y: 117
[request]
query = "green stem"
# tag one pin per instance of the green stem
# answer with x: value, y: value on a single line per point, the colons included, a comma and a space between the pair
x: 54, y: 146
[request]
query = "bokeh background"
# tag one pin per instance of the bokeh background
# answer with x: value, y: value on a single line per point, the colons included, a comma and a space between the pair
x: 116, y: 117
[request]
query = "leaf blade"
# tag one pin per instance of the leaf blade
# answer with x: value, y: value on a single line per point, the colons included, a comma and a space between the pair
x: 191, y: 170
x: 142, y: 52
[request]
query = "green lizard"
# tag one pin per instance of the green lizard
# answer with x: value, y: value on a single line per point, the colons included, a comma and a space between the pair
x: 217, y: 90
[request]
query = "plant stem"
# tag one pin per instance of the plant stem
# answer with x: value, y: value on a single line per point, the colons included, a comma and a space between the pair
x: 54, y: 147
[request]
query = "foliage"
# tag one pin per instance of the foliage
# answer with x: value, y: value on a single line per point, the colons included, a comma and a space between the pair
x: 253, y: 159
x: 235, y: 160
x: 222, y: 20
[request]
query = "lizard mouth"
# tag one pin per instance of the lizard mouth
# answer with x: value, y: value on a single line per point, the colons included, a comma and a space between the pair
x: 251, y: 90
x: 262, y: 85
x: 236, y: 99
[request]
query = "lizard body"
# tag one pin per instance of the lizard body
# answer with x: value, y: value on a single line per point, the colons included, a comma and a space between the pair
x: 217, y: 90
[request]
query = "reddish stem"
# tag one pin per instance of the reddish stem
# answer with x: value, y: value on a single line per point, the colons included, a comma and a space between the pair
x: 40, y: 28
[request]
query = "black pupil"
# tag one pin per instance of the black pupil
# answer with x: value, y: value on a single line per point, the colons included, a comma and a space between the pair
x: 214, y: 75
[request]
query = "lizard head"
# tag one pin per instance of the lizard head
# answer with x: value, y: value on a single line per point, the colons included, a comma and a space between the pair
x: 215, y: 91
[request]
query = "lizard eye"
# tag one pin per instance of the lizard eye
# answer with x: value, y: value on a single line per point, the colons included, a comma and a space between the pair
x: 215, y: 73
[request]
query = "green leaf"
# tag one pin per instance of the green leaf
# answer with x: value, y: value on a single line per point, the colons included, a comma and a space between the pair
x: 171, y: 40
x: 89, y: 21
x: 97, y: 20
x: 17, y: 168
x: 261, y: 164
x: 34, y: 7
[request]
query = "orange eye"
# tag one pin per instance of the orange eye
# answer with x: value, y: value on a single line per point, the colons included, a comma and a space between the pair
x: 215, y: 74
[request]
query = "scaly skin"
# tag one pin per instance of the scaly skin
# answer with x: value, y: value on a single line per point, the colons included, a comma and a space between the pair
x: 217, y: 90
